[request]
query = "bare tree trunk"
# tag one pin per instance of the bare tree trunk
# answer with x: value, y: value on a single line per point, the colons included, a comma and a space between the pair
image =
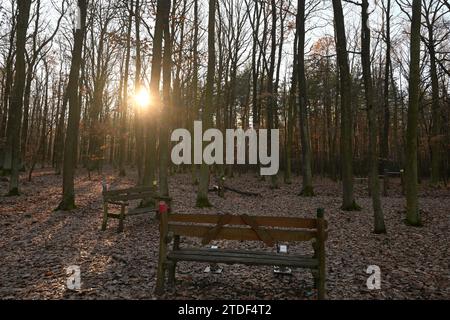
x: 6, y: 151
x: 195, y: 105
x: 307, y: 188
x: 202, y: 193
x: 374, y: 181
x: 412, y: 203
x: 166, y: 107
x: 349, y: 203
x: 139, y: 128
x: 59, y: 136
x: 44, y: 135
x: 385, y: 137
x: 70, y: 147
x: 271, y: 104
x: 150, y: 152
x: 291, y: 118
x: 255, y: 67
x: 436, y: 115
x: 16, y: 102
x: 124, y: 106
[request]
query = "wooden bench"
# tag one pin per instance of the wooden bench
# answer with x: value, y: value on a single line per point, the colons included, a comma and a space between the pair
x: 392, y: 174
x: 121, y: 198
x: 386, y: 177
x: 269, y: 230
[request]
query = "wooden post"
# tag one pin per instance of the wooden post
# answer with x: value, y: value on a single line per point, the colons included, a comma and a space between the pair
x: 163, y: 231
x: 402, y: 179
x: 385, y: 183
x: 173, y: 265
x: 105, y: 204
x: 315, y: 272
x: 121, y: 217
x: 221, y: 190
x: 321, y: 253
x: 105, y: 215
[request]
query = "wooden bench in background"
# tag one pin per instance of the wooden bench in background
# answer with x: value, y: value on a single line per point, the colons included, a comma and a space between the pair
x: 269, y: 230
x: 386, y: 177
x: 392, y: 174
x: 122, y: 197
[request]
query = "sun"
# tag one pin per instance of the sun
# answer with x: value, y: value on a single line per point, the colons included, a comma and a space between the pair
x: 142, y: 98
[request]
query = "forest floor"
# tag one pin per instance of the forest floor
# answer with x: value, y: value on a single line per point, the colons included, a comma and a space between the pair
x: 38, y: 244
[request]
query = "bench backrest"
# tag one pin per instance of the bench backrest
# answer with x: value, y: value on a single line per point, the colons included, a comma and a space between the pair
x: 210, y: 227
x: 129, y: 194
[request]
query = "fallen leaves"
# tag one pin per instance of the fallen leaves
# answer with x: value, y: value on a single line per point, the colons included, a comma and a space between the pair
x: 38, y: 244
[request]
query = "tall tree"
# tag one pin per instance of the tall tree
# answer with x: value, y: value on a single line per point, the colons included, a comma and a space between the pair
x: 124, y: 106
x: 166, y: 106
x: 72, y: 92
x: 195, y: 104
x: 432, y: 13
x: 349, y: 203
x: 138, y: 86
x: 37, y: 52
x: 307, y: 188
x: 99, y: 65
x: 7, y: 82
x: 16, y: 103
x: 150, y: 152
x: 271, y: 104
x: 372, y: 119
x: 411, y: 176
x: 290, y: 116
x: 202, y: 193
x: 384, y: 150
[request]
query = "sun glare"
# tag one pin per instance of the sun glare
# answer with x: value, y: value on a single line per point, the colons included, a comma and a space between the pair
x: 142, y: 99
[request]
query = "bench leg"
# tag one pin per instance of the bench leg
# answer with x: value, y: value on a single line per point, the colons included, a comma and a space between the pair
x: 321, y: 288
x: 171, y: 270
x: 160, y: 279
x: 321, y: 277
x: 315, y: 275
x: 105, y: 217
x: 121, y: 218
x: 385, y: 185
x: 172, y: 266
x: 320, y: 245
x: 315, y: 272
x: 402, y: 178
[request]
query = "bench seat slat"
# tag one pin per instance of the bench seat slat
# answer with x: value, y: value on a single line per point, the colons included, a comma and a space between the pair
x: 137, y: 211
x: 242, y: 257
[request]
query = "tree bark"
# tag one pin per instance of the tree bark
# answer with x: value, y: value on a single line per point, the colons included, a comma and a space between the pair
x: 411, y: 175
x: 202, y: 193
x: 71, y: 143
x: 5, y: 154
x: 386, y: 128
x: 124, y: 105
x: 139, y: 128
x: 166, y: 108
x: 195, y: 105
x: 271, y: 104
x: 16, y: 102
x: 349, y: 203
x: 307, y: 188
x: 436, y: 115
x: 374, y: 181
x: 291, y: 118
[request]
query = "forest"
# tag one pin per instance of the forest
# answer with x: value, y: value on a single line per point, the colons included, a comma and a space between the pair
x: 349, y: 99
